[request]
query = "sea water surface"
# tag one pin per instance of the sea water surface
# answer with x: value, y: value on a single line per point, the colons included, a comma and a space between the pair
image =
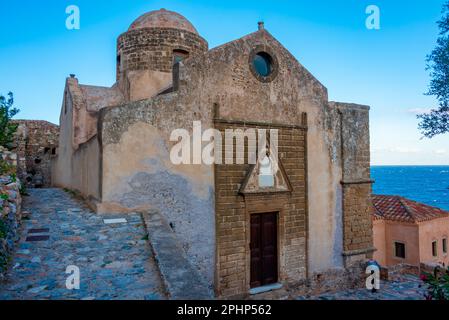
x: 426, y: 184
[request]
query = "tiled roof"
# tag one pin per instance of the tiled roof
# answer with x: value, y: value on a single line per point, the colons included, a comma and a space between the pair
x: 397, y: 208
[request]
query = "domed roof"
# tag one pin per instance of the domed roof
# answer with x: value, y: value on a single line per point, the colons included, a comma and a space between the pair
x: 162, y: 19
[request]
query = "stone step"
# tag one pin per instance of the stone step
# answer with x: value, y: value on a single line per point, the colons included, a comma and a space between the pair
x: 182, y: 280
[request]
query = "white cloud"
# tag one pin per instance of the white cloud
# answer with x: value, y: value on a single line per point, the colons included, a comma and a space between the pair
x: 419, y: 110
x: 397, y: 150
x: 404, y: 150
x: 440, y: 151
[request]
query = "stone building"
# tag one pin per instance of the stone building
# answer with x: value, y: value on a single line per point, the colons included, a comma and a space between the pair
x: 312, y: 221
x: 36, y: 143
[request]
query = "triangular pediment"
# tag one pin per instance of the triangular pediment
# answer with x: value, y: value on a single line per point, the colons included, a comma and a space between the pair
x: 243, y: 47
x: 266, y: 176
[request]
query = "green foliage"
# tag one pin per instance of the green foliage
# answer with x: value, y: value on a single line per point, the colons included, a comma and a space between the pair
x: 434, y: 123
x: 4, y: 260
x: 4, y: 256
x: 4, y: 196
x: 6, y: 168
x: 438, y: 283
x: 23, y: 190
x: 7, y: 129
x: 437, y: 121
x: 73, y: 193
x: 3, y: 229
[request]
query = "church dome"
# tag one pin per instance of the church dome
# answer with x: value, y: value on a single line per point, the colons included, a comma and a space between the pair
x: 162, y: 19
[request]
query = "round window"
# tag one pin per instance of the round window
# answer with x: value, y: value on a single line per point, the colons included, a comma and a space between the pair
x: 263, y: 64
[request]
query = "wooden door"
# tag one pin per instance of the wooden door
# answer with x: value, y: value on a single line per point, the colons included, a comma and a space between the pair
x: 263, y: 246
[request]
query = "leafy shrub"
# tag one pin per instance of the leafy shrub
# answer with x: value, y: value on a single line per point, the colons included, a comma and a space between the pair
x: 3, y: 229
x: 23, y: 190
x: 438, y: 283
x: 7, y: 129
x: 4, y: 260
x: 4, y: 256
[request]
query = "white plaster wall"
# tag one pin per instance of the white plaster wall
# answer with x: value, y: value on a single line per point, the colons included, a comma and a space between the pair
x: 138, y: 175
x: 325, y: 245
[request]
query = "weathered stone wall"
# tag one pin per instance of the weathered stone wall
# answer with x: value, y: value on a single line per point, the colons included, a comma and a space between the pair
x: 10, y: 207
x: 233, y: 211
x: 152, y: 48
x: 357, y: 222
x: 10, y: 159
x: 138, y: 175
x: 36, y: 143
x: 86, y: 168
x: 224, y: 78
x: 62, y: 164
x: 332, y: 280
x: 77, y: 164
x: 77, y: 109
x: 356, y: 182
x: 392, y: 273
x: 145, y: 59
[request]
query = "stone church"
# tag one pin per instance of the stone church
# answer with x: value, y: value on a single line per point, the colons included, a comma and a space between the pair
x: 114, y: 148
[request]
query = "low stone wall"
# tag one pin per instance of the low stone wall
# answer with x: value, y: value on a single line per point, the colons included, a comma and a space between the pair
x: 430, y: 267
x: 10, y: 207
x: 352, y: 277
x: 9, y: 157
x: 35, y: 144
x: 397, y: 271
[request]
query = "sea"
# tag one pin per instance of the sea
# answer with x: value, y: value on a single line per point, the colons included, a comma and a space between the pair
x: 426, y: 184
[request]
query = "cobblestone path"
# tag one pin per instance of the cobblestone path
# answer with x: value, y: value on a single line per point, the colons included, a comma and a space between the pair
x: 410, y: 287
x: 115, y: 260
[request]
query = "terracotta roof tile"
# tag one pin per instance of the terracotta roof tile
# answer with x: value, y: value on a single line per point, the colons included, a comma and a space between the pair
x: 397, y: 208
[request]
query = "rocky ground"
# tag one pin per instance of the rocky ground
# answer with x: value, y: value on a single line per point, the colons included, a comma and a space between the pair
x: 409, y: 287
x: 406, y: 287
x: 115, y: 260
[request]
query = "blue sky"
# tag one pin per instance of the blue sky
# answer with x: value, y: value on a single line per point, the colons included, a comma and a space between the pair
x: 382, y: 68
